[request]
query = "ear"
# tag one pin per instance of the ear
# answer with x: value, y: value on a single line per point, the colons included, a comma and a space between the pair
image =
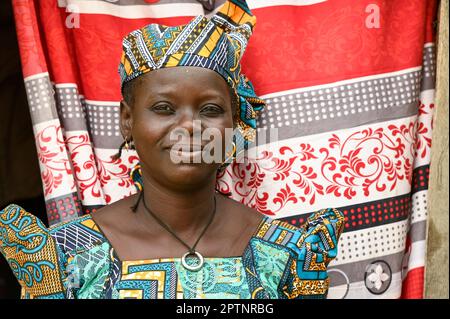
x: 126, y: 120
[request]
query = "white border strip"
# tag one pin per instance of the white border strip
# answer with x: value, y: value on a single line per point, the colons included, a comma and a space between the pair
x: 104, y: 103
x: 65, y: 85
x: 135, y: 11
x: 420, y: 209
x: 378, y: 238
x: 36, y: 76
x: 418, y: 253
x: 256, y: 4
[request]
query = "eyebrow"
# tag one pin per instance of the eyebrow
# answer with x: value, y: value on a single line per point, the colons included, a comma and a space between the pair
x: 203, y: 95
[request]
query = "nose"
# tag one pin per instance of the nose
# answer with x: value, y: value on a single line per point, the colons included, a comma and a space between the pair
x: 186, y: 121
x: 188, y: 125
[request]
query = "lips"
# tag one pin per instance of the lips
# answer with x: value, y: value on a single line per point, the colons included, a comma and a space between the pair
x: 185, y: 148
x: 179, y: 155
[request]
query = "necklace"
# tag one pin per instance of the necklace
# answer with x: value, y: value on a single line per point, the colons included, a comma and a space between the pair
x: 191, y: 250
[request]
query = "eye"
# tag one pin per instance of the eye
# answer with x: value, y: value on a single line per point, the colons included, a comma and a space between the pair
x: 163, y: 108
x: 211, y: 109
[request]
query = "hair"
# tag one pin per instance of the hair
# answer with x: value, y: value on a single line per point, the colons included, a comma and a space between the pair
x: 127, y: 91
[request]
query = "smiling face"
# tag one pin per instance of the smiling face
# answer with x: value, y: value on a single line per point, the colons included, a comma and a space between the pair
x: 166, y: 102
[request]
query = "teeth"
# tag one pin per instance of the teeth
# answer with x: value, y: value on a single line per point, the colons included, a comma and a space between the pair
x: 188, y: 148
x: 184, y: 156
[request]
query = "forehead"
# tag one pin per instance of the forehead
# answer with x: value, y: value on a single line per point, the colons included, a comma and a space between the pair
x: 181, y: 78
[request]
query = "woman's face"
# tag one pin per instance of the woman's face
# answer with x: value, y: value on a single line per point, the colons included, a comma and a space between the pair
x: 164, y: 106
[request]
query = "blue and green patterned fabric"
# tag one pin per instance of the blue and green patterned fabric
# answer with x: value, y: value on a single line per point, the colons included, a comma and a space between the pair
x: 74, y: 260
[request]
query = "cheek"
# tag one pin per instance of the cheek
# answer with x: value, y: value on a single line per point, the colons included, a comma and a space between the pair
x: 147, y: 131
x: 221, y: 130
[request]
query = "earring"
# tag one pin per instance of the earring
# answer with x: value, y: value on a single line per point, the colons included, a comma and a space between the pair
x: 127, y: 147
x: 136, y: 176
x: 230, y: 154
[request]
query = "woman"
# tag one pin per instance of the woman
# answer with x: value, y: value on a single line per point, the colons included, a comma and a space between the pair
x: 178, y: 237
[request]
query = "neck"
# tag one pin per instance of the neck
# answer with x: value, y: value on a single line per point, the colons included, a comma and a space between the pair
x: 184, y: 210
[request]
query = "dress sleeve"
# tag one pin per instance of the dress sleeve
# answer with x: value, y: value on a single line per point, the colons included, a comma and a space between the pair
x: 316, y: 244
x: 31, y: 253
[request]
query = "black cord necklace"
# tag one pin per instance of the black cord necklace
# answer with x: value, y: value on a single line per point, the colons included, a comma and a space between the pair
x: 191, y: 250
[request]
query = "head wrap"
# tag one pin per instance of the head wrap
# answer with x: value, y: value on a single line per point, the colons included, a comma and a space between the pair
x: 216, y: 44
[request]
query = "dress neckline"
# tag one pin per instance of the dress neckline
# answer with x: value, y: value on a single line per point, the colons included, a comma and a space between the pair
x: 114, y: 254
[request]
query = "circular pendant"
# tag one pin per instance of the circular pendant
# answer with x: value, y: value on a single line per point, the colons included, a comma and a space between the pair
x: 195, y: 267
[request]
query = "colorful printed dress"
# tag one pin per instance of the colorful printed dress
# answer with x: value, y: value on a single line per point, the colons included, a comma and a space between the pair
x: 75, y: 260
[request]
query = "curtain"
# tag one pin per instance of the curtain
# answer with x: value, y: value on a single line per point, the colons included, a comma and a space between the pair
x: 349, y: 87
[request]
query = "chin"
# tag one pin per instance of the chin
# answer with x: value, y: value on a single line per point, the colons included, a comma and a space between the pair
x: 190, y: 175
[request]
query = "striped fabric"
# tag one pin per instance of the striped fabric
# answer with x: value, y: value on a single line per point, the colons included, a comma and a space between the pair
x: 348, y: 84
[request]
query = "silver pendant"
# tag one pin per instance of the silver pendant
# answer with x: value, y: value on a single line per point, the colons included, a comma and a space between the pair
x: 194, y: 267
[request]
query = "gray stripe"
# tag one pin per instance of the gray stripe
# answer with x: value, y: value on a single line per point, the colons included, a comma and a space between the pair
x: 40, y: 99
x: 286, y: 239
x: 355, y: 271
x: 418, y: 231
x: 70, y: 109
x: 270, y: 231
x: 293, y: 115
x: 429, y: 68
x: 344, y: 105
x: 103, y: 125
x: 265, y: 135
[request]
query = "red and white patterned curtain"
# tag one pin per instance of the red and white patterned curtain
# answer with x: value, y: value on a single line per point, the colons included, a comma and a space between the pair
x: 349, y: 85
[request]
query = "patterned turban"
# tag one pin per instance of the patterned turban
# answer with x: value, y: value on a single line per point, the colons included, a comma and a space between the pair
x: 217, y: 44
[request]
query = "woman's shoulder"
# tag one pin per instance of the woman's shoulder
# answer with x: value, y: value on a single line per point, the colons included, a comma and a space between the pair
x: 292, y: 261
x: 31, y: 252
x: 77, y: 235
x: 43, y: 259
x: 325, y: 224
x: 23, y: 230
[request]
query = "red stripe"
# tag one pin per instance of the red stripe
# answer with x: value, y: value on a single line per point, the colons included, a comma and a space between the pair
x: 311, y: 45
x: 413, y: 284
x: 99, y: 45
x: 31, y: 54
x: 432, y: 11
x: 293, y: 46
x: 58, y: 45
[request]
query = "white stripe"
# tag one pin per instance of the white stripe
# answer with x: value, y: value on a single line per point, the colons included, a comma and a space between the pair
x: 339, y: 83
x: 105, y: 103
x: 417, y: 257
x: 426, y: 98
x: 319, y: 141
x: 165, y: 10
x: 56, y: 164
x: 112, y: 187
x: 88, y: 176
x: 419, y: 209
x: 256, y: 4
x: 429, y: 44
x: 375, y: 237
x: 36, y: 76
x: 65, y: 85
x: 137, y: 11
